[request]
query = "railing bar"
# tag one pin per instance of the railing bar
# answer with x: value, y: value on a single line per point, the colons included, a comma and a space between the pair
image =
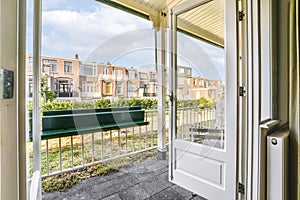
x: 72, y: 153
x: 119, y: 142
x: 186, y: 123
x: 110, y: 143
x: 133, y: 139
x: 140, y: 137
x: 208, y: 114
x: 182, y: 127
x: 146, y: 138
x: 208, y: 118
x: 152, y: 132
x: 205, y: 117
x: 82, y: 149
x: 60, y: 154
x: 126, y: 138
x: 197, y: 117
x: 97, y: 162
x: 102, y: 146
x: 93, y: 148
x: 146, y: 134
x: 47, y: 156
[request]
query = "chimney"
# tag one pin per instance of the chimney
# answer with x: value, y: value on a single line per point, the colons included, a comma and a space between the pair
x: 76, y: 56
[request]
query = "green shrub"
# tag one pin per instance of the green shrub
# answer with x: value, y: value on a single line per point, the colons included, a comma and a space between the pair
x: 102, y: 103
x: 146, y: 104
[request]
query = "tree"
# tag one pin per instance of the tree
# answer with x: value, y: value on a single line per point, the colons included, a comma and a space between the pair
x: 50, y: 95
x: 203, y: 101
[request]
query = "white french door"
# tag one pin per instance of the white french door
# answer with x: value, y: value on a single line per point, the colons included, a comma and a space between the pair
x: 203, y: 151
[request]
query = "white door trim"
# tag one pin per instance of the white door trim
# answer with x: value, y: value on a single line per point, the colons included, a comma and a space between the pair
x: 231, y: 58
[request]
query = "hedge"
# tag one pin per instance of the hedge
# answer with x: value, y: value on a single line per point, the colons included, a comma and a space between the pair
x: 146, y: 104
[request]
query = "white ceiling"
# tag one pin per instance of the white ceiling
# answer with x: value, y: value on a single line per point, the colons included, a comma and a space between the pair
x: 206, y: 21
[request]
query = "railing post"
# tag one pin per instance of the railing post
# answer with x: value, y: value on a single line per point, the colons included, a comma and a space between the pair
x: 160, y: 52
x: 36, y: 122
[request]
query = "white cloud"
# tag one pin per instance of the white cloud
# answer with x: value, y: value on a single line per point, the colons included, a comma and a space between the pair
x: 81, y: 31
x: 51, y: 4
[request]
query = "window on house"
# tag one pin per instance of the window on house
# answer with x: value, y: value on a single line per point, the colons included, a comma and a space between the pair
x: 207, y: 83
x: 119, y: 88
x: 108, y: 88
x: 29, y: 63
x: 88, y: 69
x: 153, y: 77
x: 131, y: 75
x: 181, y: 80
x: 131, y: 88
x: 188, y: 72
x: 65, y: 88
x: 181, y: 70
x: 143, y: 76
x: 67, y: 67
x: 88, y: 87
x: 30, y: 87
x: 195, y: 81
x: 52, y: 64
x: 104, y: 71
x: 118, y: 72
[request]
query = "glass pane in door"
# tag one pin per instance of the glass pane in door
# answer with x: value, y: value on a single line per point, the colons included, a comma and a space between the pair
x: 201, y: 79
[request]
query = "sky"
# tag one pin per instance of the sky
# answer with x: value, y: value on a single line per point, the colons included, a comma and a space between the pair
x: 99, y: 33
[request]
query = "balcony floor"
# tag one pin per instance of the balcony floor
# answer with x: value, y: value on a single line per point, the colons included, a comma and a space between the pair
x: 145, y: 180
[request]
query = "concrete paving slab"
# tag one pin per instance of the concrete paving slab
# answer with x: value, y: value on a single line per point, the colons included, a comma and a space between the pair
x: 101, y: 190
x: 145, y: 180
x: 156, y: 184
x: 167, y: 194
x: 133, y: 193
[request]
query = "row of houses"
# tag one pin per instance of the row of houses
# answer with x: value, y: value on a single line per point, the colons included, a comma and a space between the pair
x: 75, y: 79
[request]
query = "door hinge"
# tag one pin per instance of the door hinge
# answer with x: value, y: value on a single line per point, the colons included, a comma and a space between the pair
x: 241, y: 188
x: 6, y: 84
x: 242, y: 91
x: 241, y: 15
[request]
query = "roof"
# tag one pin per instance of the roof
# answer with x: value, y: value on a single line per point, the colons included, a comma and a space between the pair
x: 205, y: 22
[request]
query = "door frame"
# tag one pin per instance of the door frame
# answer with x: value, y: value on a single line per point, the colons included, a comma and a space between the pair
x: 12, y: 116
x: 232, y: 85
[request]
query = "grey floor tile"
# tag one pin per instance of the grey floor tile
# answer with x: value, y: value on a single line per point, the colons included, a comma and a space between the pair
x: 148, y: 179
x: 156, y: 184
x: 112, y: 197
x: 102, y: 190
x: 78, y: 195
x: 133, y: 193
x: 123, y: 182
x: 198, y: 198
x: 183, y: 192
x: 167, y: 194
x: 50, y: 195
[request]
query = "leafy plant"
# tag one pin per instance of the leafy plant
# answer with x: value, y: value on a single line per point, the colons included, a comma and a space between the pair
x: 102, y: 103
x: 48, y: 94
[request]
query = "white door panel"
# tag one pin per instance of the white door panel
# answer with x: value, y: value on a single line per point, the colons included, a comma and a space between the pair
x: 206, y: 163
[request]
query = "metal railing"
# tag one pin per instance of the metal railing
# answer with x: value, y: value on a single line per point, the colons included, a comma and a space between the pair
x: 67, y: 154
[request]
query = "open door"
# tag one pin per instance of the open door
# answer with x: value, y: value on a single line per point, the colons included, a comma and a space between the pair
x: 203, y: 142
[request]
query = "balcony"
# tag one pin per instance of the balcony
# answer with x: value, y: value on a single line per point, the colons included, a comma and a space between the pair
x: 146, y: 175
